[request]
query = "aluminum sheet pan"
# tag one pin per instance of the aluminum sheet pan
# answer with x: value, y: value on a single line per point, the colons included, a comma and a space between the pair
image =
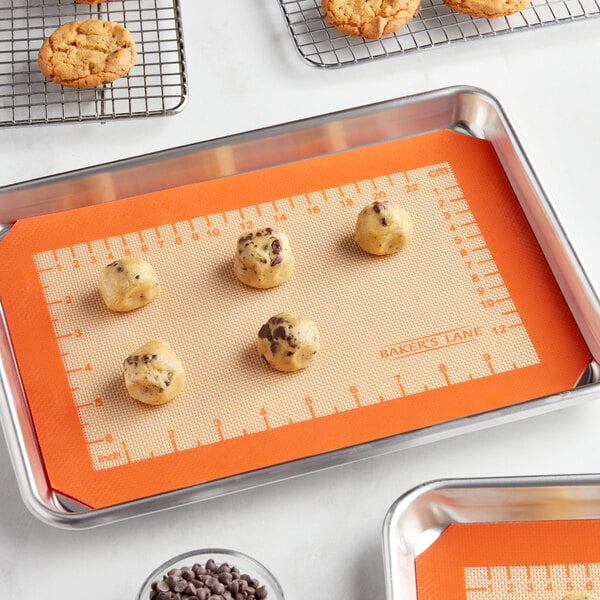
x: 468, y: 110
x: 418, y: 518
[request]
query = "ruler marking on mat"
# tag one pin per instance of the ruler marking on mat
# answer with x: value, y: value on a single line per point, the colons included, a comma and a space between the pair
x: 493, y: 340
x: 532, y: 582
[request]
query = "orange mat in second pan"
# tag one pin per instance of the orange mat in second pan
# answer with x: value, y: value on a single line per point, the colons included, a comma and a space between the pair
x: 530, y: 560
x: 466, y: 319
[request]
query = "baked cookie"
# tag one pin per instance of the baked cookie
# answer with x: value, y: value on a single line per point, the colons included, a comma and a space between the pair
x: 87, y: 53
x: 369, y: 18
x: 288, y: 342
x: 263, y: 258
x: 487, y: 9
x: 128, y: 283
x: 383, y: 228
x: 89, y: 1
x: 153, y: 373
x: 579, y: 596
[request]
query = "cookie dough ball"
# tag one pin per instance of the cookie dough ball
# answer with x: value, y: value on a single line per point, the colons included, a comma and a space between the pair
x: 288, y: 342
x: 383, y: 228
x: 263, y: 258
x: 153, y: 373
x: 128, y: 284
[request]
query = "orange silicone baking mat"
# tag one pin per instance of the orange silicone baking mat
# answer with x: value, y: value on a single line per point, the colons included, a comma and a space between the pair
x: 465, y: 319
x: 534, y: 560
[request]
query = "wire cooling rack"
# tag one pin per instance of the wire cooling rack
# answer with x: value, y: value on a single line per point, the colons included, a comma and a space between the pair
x: 156, y: 85
x: 436, y: 25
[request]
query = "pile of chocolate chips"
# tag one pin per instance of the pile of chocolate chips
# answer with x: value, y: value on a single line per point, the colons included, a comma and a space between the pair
x: 208, y: 582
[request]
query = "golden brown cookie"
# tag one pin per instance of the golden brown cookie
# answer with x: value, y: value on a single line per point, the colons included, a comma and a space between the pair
x: 488, y: 9
x: 87, y: 53
x: 89, y: 1
x: 369, y: 18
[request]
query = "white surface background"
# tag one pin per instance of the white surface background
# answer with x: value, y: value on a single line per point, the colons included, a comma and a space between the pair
x: 320, y: 534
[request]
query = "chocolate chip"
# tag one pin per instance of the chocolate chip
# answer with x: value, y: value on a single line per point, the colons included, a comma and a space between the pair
x: 383, y: 221
x: 217, y: 587
x: 113, y: 264
x: 269, y: 230
x: 180, y: 585
x: 290, y: 353
x: 279, y: 332
x: 261, y: 592
x: 137, y: 276
x: 274, y: 347
x: 378, y: 207
x: 265, y: 332
x: 162, y: 586
x: 276, y: 247
x: 277, y: 260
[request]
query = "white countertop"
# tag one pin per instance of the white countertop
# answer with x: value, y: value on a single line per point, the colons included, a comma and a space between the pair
x: 320, y: 534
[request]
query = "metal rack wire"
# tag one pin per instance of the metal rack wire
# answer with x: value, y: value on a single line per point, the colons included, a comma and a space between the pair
x: 156, y: 85
x: 322, y: 45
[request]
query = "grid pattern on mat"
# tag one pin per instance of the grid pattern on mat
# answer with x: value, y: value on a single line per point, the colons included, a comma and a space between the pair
x: 156, y: 85
x: 436, y: 25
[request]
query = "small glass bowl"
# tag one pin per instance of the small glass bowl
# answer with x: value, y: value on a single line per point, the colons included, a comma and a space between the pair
x: 243, y: 562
